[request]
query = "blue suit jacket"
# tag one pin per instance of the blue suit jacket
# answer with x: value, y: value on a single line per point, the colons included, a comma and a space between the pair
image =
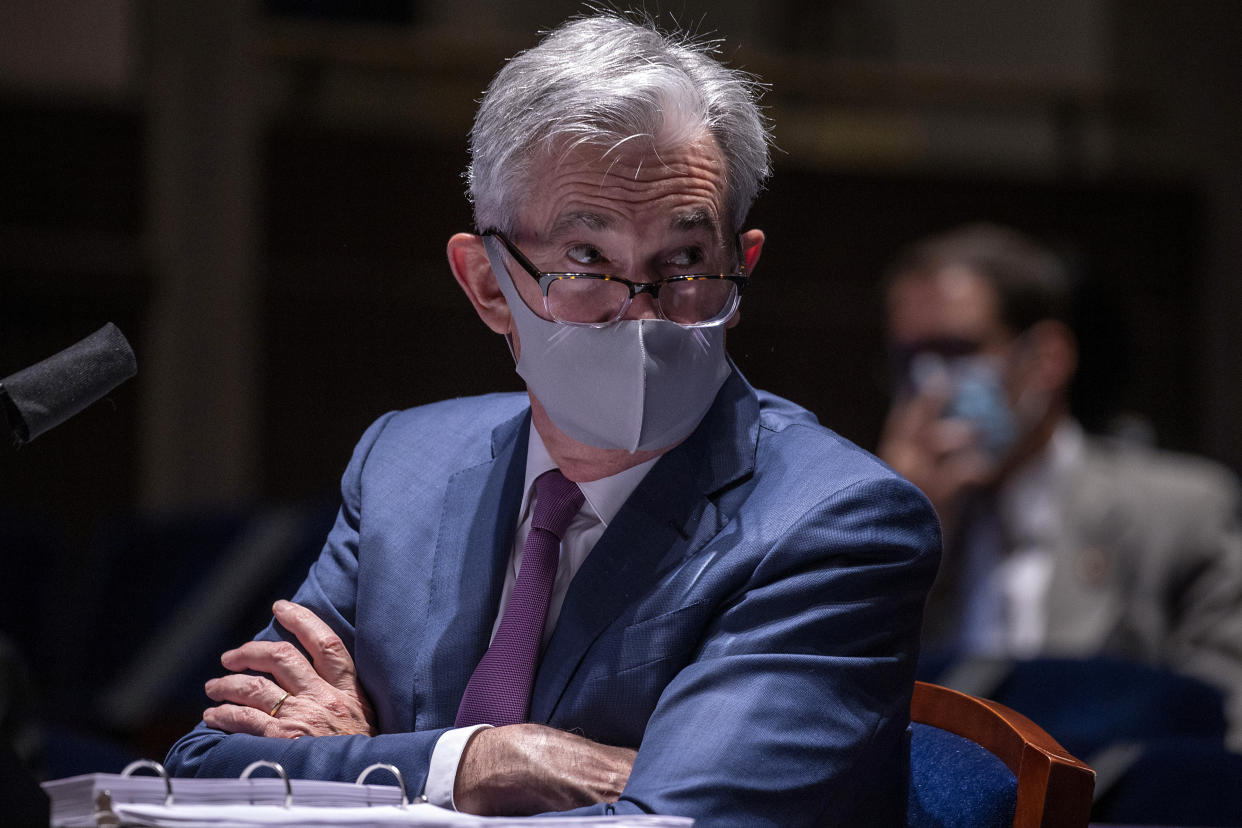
x: 749, y: 620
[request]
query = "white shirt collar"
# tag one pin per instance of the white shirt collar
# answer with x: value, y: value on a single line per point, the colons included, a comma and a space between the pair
x: 1029, y: 501
x: 605, y: 496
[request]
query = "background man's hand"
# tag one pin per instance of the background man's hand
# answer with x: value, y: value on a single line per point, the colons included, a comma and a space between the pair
x: 299, y: 699
x: 528, y: 768
x: 941, y: 456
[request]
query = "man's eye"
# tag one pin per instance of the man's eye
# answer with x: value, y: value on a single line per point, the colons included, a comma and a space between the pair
x: 687, y: 257
x: 584, y: 254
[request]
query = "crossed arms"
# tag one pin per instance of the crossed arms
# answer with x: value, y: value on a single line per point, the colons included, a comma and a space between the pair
x: 792, y: 706
x: 517, y: 769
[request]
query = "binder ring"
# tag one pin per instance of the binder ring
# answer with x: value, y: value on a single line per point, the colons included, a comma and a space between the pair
x: 150, y: 764
x: 394, y: 770
x: 263, y: 763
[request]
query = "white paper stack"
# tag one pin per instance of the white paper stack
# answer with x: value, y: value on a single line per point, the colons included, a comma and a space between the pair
x: 112, y: 799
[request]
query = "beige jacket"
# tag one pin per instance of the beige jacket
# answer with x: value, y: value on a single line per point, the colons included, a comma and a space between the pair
x: 1148, y: 566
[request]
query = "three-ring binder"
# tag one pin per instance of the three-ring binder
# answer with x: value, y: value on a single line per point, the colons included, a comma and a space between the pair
x: 104, y: 816
x: 108, y: 791
x: 395, y: 771
x: 132, y: 799
x: 280, y: 771
x: 158, y: 768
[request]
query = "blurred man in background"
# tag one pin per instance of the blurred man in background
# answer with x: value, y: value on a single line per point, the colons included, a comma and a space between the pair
x: 1056, y: 543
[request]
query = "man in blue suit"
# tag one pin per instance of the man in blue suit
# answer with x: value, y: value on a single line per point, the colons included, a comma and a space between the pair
x: 728, y: 624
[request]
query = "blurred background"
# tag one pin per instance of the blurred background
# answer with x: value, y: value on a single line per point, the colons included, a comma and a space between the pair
x: 259, y: 194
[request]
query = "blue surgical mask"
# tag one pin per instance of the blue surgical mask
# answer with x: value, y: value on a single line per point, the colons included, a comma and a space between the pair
x: 977, y: 395
x: 636, y: 385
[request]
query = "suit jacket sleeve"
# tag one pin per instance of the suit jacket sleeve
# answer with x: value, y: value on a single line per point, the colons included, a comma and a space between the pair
x: 330, y: 592
x: 795, y: 710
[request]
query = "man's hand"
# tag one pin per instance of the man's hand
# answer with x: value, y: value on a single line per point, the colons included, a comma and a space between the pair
x: 528, y: 769
x: 941, y: 456
x: 298, y: 699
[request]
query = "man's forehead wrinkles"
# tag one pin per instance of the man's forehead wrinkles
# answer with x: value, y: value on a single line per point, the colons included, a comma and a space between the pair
x: 693, y: 177
x: 586, y: 180
x: 695, y: 194
x: 682, y: 193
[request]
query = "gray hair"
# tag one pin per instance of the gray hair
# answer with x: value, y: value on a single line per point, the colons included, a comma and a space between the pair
x: 603, y: 80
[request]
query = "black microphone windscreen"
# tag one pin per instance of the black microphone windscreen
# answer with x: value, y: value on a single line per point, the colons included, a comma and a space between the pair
x: 50, y: 392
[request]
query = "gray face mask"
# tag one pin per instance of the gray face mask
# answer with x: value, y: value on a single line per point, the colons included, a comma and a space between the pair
x: 637, y: 385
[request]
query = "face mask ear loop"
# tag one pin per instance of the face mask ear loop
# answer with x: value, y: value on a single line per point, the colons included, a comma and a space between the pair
x: 1031, y: 405
x: 494, y: 258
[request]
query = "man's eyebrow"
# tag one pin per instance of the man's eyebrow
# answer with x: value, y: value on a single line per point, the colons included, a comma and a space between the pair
x: 580, y: 218
x: 694, y: 220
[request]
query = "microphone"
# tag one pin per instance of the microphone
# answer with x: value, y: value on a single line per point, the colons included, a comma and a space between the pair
x: 49, y: 392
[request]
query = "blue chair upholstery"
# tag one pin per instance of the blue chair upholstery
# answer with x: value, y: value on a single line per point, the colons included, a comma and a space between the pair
x: 979, y: 764
x: 954, y: 781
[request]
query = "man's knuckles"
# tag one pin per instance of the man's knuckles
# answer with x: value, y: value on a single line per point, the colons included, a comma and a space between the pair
x: 330, y: 643
x: 335, y: 707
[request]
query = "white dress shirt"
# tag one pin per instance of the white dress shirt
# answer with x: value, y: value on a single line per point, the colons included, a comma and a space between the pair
x: 603, y: 499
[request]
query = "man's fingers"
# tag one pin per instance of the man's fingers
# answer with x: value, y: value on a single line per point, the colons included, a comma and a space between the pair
x: 233, y: 718
x: 282, y: 660
x: 911, y: 417
x: 951, y: 436
x: 332, y: 661
x: 972, y: 467
x: 250, y: 691
x: 301, y: 698
x: 904, y: 443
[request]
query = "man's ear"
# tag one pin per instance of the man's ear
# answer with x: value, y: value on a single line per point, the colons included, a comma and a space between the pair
x: 472, y: 270
x: 752, y: 246
x: 1054, y: 352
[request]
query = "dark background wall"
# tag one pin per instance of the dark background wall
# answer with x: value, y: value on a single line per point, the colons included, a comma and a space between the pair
x: 357, y: 314
x: 259, y: 196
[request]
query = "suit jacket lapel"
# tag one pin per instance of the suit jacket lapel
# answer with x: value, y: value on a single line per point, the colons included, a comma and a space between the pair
x: 468, y: 570
x: 666, y: 519
x: 1082, y: 606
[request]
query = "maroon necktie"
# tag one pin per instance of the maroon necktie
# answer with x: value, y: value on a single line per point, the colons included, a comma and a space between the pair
x: 499, y: 689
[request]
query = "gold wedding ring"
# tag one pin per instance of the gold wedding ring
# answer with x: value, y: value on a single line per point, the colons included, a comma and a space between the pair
x: 277, y: 705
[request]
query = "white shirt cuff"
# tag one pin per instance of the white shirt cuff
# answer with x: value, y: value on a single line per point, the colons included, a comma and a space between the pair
x: 445, y: 757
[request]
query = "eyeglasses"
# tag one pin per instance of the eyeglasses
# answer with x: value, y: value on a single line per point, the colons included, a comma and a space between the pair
x: 600, y: 299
